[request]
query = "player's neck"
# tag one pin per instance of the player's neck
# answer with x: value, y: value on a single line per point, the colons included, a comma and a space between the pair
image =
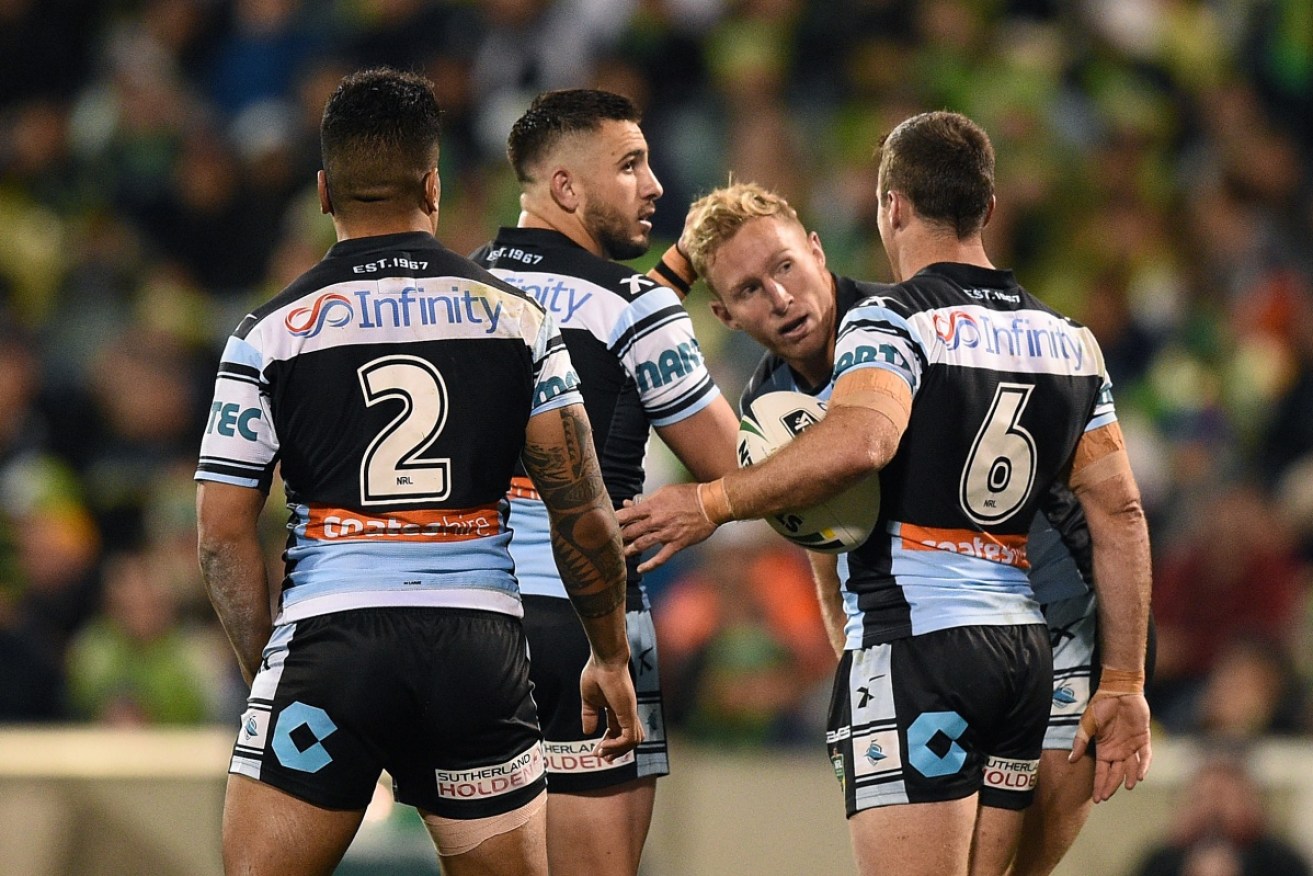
x: 565, y: 223
x: 928, y: 248
x: 377, y: 226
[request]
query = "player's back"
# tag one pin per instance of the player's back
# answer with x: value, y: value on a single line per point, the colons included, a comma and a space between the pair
x: 638, y: 362
x: 392, y: 383
x: 1003, y: 388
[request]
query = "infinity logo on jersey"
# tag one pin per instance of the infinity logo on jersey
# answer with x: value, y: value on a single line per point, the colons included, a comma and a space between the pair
x: 407, y: 307
x: 493, y: 780
x: 1015, y: 336
x: 306, y: 322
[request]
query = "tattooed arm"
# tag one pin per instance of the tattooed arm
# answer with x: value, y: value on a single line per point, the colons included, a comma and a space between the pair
x: 232, y: 565
x: 560, y: 459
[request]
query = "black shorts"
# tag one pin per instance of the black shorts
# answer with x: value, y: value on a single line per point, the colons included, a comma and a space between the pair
x: 941, y: 716
x: 558, y: 650
x: 440, y: 698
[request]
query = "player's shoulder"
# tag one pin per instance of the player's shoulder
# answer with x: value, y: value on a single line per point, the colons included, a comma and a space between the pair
x: 850, y: 293
x: 950, y: 284
x: 413, y: 254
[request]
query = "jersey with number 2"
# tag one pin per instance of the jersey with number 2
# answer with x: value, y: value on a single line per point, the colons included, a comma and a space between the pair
x: 392, y: 383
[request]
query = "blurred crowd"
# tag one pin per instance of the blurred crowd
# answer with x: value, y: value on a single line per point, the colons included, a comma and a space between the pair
x: 1155, y: 181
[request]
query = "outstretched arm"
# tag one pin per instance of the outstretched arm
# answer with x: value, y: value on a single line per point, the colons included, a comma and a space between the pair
x: 233, y: 568
x: 705, y: 442
x: 866, y: 419
x: 560, y: 459
x: 1118, y: 714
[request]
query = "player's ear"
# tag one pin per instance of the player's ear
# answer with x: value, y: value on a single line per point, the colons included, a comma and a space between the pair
x: 325, y: 202
x: 722, y: 313
x: 565, y: 189
x: 432, y: 191
x: 989, y: 211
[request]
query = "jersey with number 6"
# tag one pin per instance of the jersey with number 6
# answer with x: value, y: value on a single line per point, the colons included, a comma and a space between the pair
x: 1002, y: 388
x: 392, y: 383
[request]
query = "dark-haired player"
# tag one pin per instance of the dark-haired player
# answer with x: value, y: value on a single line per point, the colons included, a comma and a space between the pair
x: 588, y: 195
x: 971, y: 399
x: 397, y: 385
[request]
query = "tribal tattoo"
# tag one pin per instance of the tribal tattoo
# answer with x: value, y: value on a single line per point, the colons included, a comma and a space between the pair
x: 563, y: 464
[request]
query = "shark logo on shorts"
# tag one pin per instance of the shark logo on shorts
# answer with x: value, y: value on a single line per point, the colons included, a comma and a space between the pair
x: 1064, y: 696
x: 874, y: 753
x: 251, y: 727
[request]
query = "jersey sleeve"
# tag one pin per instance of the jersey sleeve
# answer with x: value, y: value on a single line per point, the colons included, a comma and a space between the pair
x: 240, y: 445
x: 1104, y: 412
x: 654, y: 341
x: 874, y: 335
x: 555, y: 382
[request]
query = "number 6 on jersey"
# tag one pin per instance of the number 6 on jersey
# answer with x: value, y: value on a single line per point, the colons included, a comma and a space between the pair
x: 1000, y: 470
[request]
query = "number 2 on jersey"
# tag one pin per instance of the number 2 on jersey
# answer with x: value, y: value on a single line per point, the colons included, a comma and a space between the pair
x: 1000, y: 469
x: 392, y: 469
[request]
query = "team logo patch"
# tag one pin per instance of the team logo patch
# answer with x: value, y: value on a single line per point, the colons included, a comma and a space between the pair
x: 1011, y: 775
x: 577, y: 757
x: 254, y: 732
x: 876, y: 753
x: 1070, y: 695
x: 494, y: 780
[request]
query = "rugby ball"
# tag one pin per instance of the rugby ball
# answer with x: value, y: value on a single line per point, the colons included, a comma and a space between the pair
x: 841, y: 523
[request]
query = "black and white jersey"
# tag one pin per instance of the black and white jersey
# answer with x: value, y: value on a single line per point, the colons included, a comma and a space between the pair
x: 392, y: 383
x: 639, y: 364
x: 1058, y: 545
x: 1003, y: 387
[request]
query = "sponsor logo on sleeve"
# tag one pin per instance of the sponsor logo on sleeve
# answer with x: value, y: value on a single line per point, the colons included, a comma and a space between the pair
x: 669, y: 365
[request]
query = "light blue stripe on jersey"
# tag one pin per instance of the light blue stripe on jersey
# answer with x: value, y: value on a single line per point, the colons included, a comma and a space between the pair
x: 709, y: 394
x: 873, y: 312
x: 323, y: 569
x: 252, y: 483
x: 531, y: 549
x: 946, y: 589
x: 1101, y: 420
x: 240, y: 352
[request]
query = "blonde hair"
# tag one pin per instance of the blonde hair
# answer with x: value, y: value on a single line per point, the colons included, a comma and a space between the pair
x: 718, y: 216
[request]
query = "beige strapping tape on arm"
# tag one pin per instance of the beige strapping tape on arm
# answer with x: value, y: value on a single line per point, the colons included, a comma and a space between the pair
x: 877, y: 390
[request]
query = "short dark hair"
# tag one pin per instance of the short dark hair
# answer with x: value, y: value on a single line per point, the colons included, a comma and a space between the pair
x: 944, y: 163
x: 554, y: 114
x: 379, y: 136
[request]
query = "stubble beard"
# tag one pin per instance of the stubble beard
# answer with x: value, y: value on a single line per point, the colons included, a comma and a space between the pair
x: 612, y: 232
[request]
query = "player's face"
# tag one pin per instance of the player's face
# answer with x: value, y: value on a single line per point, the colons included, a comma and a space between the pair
x: 771, y: 282
x: 618, y: 190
